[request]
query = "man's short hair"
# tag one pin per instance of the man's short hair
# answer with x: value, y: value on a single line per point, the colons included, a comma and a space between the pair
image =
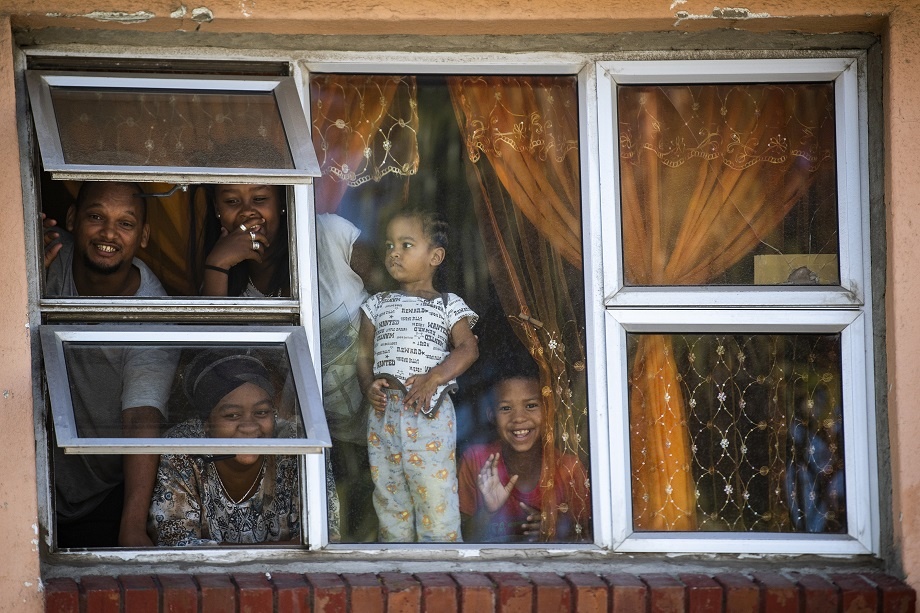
x: 86, y: 186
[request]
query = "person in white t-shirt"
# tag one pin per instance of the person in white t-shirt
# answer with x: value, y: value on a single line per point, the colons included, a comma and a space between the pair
x: 413, y: 344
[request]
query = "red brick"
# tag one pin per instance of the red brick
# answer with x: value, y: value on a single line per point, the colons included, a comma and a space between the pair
x: 590, y: 592
x: 477, y: 592
x: 666, y: 594
x: 777, y: 594
x: 403, y: 593
x: 140, y: 593
x: 102, y: 594
x: 292, y: 593
x: 856, y: 594
x: 627, y: 593
x: 329, y: 594
x: 552, y: 593
x: 741, y: 594
x: 62, y: 595
x: 255, y: 592
x: 439, y: 592
x: 365, y: 593
x: 818, y: 594
x: 180, y: 593
x: 895, y: 595
x: 704, y: 594
x: 515, y: 593
x: 218, y: 594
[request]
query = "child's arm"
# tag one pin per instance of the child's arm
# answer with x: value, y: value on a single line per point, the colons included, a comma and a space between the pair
x: 370, y: 387
x: 461, y: 357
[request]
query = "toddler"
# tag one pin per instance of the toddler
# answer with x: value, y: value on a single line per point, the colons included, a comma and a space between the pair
x: 413, y: 343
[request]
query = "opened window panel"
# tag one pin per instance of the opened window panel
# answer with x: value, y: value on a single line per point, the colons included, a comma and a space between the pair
x: 737, y: 433
x: 173, y: 128
x: 214, y: 390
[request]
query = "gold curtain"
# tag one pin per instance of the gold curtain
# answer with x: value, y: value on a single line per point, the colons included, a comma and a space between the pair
x: 529, y: 213
x: 364, y: 128
x: 707, y: 172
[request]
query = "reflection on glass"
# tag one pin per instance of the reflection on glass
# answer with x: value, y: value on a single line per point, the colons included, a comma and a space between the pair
x: 135, y: 375
x: 510, y: 196
x: 739, y: 433
x: 728, y: 184
x: 170, y: 128
x: 234, y: 498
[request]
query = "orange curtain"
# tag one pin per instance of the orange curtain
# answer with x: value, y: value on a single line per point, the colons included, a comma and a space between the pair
x: 707, y: 173
x: 527, y: 129
x: 364, y: 128
x: 529, y: 212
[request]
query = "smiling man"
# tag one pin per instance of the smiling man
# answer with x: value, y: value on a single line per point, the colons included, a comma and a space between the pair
x: 102, y: 500
x: 106, y: 227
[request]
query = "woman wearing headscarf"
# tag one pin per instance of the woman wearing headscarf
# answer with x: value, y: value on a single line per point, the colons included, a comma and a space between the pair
x: 245, y: 498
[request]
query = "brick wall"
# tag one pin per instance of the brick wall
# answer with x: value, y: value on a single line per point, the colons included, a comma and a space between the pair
x: 540, y: 592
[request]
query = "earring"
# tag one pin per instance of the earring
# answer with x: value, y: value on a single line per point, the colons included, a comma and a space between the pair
x: 218, y: 215
x: 284, y: 211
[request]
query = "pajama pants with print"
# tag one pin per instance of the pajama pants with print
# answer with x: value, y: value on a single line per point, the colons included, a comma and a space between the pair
x: 414, y: 468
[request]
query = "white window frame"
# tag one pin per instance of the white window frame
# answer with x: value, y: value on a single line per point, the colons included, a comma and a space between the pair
x: 844, y: 309
x: 612, y: 310
x: 292, y: 338
x: 283, y: 91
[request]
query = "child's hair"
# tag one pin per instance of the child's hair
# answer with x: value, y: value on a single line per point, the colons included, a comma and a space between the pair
x: 433, y: 224
x: 518, y: 365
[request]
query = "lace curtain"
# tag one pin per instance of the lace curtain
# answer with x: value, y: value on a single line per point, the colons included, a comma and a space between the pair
x: 706, y: 173
x: 521, y: 137
x: 364, y: 128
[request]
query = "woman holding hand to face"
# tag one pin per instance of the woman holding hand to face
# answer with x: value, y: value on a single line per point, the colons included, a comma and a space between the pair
x: 247, y: 243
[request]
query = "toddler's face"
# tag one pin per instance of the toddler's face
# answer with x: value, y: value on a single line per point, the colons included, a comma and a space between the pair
x: 519, y: 413
x: 410, y: 256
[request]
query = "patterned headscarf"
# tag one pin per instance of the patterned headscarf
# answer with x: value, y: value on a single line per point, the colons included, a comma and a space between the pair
x: 210, y: 377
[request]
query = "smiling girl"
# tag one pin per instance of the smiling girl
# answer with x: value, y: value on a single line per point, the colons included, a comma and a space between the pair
x: 500, y: 495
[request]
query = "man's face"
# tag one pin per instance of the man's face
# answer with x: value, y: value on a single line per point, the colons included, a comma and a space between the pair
x: 108, y: 227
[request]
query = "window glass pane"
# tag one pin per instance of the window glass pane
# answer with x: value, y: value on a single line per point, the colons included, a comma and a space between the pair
x: 231, y: 392
x: 739, y: 433
x: 497, y: 159
x: 126, y: 127
x: 728, y: 184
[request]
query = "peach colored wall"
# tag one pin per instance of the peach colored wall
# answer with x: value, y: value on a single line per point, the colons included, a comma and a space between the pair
x: 902, y: 189
x: 19, y: 570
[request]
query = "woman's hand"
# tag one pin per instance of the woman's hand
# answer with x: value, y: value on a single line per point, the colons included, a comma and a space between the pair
x: 421, y: 391
x: 494, y: 494
x: 247, y: 241
x: 376, y: 394
x: 533, y: 524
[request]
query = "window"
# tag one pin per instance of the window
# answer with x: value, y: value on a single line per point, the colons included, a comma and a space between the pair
x: 664, y: 266
x: 75, y: 356
x: 497, y: 158
x: 180, y: 128
x: 234, y: 410
x: 737, y: 306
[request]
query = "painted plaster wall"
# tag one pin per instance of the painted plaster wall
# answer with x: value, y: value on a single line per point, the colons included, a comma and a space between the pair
x: 897, y: 22
x: 902, y: 179
x: 19, y: 567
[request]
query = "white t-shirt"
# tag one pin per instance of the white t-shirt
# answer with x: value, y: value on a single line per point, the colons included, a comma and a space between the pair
x: 412, y: 334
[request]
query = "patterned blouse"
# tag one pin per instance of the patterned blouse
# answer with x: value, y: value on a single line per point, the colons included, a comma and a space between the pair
x: 191, y: 508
